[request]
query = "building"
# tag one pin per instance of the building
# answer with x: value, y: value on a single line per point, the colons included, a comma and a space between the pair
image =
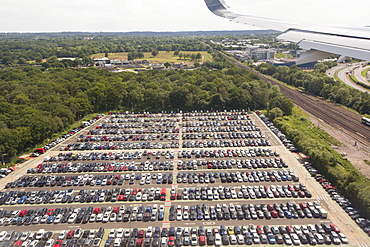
x: 263, y: 54
x: 101, y: 61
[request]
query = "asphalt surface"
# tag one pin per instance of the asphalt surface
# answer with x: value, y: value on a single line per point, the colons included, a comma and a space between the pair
x: 336, y: 214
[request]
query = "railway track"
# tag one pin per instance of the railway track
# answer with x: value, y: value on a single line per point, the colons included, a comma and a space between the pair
x: 334, y: 115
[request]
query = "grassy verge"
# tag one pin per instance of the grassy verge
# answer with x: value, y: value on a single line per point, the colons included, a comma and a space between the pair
x: 316, y: 143
x: 162, y: 56
x: 364, y: 72
x: 354, y: 79
x: 336, y: 77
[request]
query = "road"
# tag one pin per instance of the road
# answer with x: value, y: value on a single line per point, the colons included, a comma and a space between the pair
x: 342, y: 70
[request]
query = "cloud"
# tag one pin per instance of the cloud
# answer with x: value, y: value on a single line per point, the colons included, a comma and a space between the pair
x: 164, y: 15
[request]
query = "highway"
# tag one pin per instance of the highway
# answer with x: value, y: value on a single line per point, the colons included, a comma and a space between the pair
x: 342, y: 70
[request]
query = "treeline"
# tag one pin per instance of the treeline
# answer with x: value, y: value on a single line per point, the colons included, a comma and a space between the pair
x: 19, y: 51
x: 317, y: 144
x: 317, y: 83
x: 36, y: 104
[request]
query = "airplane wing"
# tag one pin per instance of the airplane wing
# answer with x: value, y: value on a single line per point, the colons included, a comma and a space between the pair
x: 319, y: 41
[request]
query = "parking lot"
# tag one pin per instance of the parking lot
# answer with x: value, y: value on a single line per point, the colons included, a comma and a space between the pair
x: 171, y: 180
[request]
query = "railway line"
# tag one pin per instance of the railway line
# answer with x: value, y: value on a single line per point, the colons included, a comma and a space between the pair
x: 333, y: 115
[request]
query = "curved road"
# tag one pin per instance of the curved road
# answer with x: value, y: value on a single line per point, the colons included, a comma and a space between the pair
x: 343, y: 76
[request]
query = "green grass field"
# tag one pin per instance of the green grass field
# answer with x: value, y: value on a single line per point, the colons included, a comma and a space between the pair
x: 162, y: 56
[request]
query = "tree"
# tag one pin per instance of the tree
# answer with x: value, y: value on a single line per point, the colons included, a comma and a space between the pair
x: 287, y: 106
x: 87, y: 61
x: 199, y: 56
x: 167, y: 64
x: 154, y: 52
x: 106, y: 54
x: 140, y: 55
x: 21, y: 60
x: 320, y: 67
x: 275, y: 113
x: 176, y: 53
x: 130, y: 56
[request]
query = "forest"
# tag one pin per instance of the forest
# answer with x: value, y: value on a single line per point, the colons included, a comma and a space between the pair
x: 35, y: 103
x: 18, y: 51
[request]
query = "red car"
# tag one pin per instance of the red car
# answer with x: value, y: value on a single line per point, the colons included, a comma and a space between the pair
x: 334, y: 228
x: 18, y: 244
x: 139, y: 242
x: 50, y: 211
x: 260, y: 229
x: 58, y: 243
x: 171, y: 241
x: 96, y: 210
x: 70, y: 234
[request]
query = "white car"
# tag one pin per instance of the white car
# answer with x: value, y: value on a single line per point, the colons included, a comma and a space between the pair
x: 39, y: 234
x: 105, y: 218
x: 49, y: 243
x: 62, y: 234
x: 2, y: 235
x: 113, y: 217
x: 92, y: 218
x: 34, y: 243
x: 117, y: 242
x: 119, y: 233
x: 58, y: 218
x: 72, y: 218
x: 23, y: 237
x: 218, y: 241
x: 112, y: 233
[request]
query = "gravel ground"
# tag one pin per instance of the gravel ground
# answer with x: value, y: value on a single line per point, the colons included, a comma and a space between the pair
x: 356, y: 154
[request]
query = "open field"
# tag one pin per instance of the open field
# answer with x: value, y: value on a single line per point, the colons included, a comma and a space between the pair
x: 162, y: 56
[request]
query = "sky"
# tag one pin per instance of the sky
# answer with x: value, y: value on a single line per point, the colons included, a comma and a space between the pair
x: 168, y: 15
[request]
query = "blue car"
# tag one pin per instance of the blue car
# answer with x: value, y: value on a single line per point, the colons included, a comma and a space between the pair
x: 288, y: 214
x: 271, y: 238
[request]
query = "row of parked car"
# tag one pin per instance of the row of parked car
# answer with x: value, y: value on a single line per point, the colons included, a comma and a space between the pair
x: 232, y: 235
x: 56, y: 141
x: 83, y: 215
x: 217, y: 132
x: 335, y: 194
x: 125, y: 155
x: 180, y: 236
x: 287, y: 143
x: 153, y: 122
x: 93, y: 136
x: 257, y: 142
x: 118, y: 145
x: 247, y: 211
x: 232, y: 164
x: 245, y: 192
x: 149, y: 178
x: 217, y: 115
x: 116, y: 166
x: 196, y: 122
x: 142, y: 117
x: 44, y: 238
x: 113, y: 166
x: 82, y: 196
x: 225, y: 153
x: 236, y: 177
